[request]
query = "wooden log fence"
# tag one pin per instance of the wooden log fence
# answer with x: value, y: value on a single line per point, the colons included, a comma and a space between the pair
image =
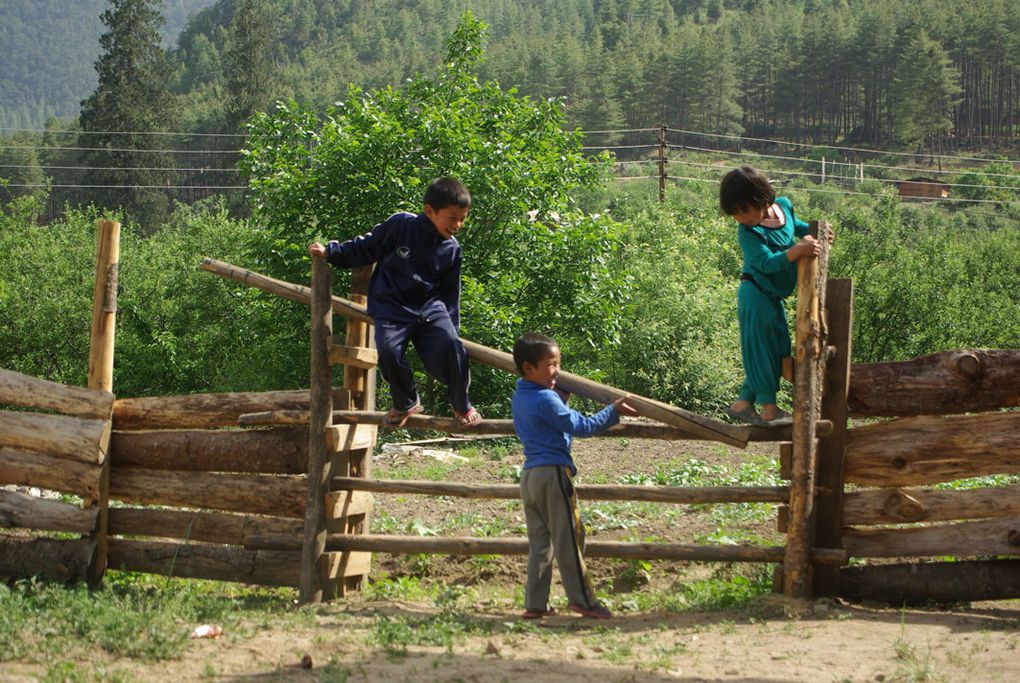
x: 275, y: 488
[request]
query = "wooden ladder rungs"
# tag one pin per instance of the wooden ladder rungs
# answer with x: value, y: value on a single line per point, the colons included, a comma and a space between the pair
x: 356, y: 356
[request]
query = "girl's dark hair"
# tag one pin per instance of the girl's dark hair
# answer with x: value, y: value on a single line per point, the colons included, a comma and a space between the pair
x: 745, y: 188
x: 444, y: 192
x: 532, y: 347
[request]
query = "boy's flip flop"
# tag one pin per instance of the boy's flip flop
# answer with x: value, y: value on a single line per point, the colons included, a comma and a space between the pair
x: 538, y: 613
x: 472, y: 418
x: 746, y: 415
x: 398, y: 418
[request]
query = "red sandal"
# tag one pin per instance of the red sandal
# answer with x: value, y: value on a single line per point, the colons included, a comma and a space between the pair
x: 472, y: 418
x: 398, y: 418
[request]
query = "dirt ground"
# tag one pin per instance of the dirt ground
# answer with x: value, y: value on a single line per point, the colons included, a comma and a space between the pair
x: 768, y: 639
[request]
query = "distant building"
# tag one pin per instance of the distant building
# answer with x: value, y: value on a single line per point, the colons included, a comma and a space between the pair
x: 928, y: 188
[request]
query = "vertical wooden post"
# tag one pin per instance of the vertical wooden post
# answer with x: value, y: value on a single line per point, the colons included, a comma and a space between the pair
x: 809, y: 357
x: 321, y: 418
x: 662, y: 162
x: 101, y: 344
x: 839, y: 305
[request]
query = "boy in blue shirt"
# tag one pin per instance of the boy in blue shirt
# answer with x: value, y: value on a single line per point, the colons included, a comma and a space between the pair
x: 414, y: 297
x: 545, y: 424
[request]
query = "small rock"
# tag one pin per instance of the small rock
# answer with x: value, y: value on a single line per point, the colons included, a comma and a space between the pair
x: 491, y: 649
x: 306, y: 662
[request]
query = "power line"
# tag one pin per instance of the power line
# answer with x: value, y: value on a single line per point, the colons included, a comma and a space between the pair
x: 123, y: 168
x: 122, y: 132
x: 849, y: 149
x: 125, y: 149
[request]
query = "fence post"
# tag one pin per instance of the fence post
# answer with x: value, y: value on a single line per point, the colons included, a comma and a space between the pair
x: 839, y: 305
x: 662, y: 162
x: 101, y: 344
x: 809, y: 357
x: 321, y: 417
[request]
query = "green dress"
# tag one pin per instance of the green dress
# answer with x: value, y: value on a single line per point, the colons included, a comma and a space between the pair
x: 764, y: 332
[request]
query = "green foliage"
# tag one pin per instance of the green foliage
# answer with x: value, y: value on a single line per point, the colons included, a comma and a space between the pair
x: 375, y: 152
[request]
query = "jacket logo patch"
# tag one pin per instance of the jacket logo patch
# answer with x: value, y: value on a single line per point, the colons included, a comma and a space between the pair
x: 404, y: 252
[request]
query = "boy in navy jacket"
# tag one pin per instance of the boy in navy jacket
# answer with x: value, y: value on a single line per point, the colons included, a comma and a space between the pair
x: 414, y: 296
x: 545, y: 424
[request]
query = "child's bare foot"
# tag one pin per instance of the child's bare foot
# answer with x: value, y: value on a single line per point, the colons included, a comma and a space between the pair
x: 772, y: 414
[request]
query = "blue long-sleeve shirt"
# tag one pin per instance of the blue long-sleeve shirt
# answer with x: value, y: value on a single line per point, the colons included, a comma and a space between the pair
x: 764, y: 252
x: 417, y: 276
x: 546, y: 425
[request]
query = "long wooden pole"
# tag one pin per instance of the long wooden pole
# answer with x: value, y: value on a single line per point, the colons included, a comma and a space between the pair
x: 839, y: 304
x: 101, y: 344
x: 663, y: 412
x: 321, y: 404
x: 705, y: 495
x: 469, y: 545
x: 806, y: 405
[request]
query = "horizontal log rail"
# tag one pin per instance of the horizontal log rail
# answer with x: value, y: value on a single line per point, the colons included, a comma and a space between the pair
x: 31, y: 392
x: 25, y: 468
x: 201, y: 561
x: 194, y: 525
x: 960, y: 381
x: 29, y: 512
x: 202, y: 411
x: 900, y: 506
x: 587, y: 492
x: 458, y: 545
x: 501, y: 427
x: 913, y: 451
x: 663, y: 412
x: 77, y: 438
x: 978, y: 538
x: 254, y: 451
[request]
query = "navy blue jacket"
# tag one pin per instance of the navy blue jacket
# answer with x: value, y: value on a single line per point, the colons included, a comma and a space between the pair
x: 417, y: 278
x: 545, y: 425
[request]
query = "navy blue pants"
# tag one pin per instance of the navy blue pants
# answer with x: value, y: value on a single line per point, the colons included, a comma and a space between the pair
x: 441, y: 351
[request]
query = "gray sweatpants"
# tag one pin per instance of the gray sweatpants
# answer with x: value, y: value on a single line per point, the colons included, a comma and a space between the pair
x: 554, y: 528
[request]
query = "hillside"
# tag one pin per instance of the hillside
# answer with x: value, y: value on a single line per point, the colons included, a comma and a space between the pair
x: 50, y: 47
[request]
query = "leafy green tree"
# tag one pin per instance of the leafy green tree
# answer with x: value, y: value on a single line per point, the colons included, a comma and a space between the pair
x: 375, y: 152
x: 127, y: 162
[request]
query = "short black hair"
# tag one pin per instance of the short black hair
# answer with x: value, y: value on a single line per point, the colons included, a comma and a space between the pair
x: 444, y: 192
x: 745, y: 188
x: 532, y: 347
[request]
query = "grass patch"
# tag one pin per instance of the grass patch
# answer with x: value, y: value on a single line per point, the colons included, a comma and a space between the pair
x: 135, y: 616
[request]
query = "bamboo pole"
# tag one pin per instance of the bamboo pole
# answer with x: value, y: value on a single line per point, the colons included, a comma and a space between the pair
x: 321, y: 406
x: 631, y: 429
x: 101, y: 345
x: 469, y: 545
x: 677, y: 417
x: 660, y: 494
x: 839, y: 302
x: 806, y: 398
